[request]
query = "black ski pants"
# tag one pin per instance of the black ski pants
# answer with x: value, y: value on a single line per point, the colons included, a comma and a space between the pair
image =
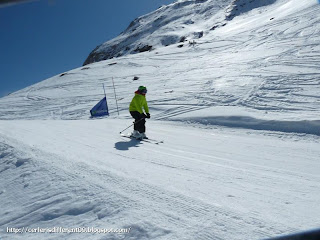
x: 139, y: 123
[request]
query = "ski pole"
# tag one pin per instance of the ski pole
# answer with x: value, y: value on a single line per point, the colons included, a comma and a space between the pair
x: 132, y: 125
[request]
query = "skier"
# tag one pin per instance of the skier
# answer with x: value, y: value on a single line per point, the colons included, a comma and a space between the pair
x: 136, y: 107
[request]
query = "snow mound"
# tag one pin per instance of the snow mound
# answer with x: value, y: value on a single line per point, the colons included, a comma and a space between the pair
x: 304, y: 127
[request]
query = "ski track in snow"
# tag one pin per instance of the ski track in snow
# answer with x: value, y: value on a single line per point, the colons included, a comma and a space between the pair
x: 67, y: 175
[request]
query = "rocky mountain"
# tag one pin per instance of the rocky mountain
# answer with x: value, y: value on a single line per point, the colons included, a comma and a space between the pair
x: 179, y: 22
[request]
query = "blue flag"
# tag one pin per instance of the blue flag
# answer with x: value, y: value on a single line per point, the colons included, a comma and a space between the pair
x: 100, y: 109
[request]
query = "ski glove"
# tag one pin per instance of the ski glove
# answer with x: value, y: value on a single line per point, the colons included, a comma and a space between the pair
x: 148, y: 115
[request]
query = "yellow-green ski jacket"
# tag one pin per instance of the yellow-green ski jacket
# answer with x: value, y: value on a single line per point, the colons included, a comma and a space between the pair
x: 138, y: 103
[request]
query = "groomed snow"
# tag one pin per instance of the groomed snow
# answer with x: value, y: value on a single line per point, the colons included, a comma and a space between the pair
x: 199, y: 184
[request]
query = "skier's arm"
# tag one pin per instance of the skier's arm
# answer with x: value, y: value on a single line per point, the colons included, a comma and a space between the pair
x: 145, y: 106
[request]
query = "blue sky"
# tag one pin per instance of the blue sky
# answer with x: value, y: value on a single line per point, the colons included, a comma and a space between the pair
x: 43, y: 38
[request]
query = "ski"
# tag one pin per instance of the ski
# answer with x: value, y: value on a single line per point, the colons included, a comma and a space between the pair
x: 154, y: 141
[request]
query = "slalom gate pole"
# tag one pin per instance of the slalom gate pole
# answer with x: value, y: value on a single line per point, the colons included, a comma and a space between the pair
x: 115, y: 95
x: 131, y: 125
x: 105, y: 96
x: 104, y: 90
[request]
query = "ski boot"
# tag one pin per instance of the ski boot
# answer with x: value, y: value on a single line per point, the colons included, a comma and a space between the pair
x: 135, y: 134
x: 143, y: 136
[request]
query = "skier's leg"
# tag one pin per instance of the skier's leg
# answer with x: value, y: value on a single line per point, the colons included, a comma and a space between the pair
x: 141, y: 125
x: 143, y: 130
x: 137, y: 117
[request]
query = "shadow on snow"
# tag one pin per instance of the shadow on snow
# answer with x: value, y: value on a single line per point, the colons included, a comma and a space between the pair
x: 125, y: 145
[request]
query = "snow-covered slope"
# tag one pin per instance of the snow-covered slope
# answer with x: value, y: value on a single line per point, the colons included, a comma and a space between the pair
x: 180, y: 21
x: 215, y: 176
x: 259, y: 71
x: 198, y: 184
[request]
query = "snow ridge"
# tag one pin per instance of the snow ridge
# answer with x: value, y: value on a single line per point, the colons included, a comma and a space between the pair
x: 185, y: 20
x: 239, y: 7
x: 177, y: 22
